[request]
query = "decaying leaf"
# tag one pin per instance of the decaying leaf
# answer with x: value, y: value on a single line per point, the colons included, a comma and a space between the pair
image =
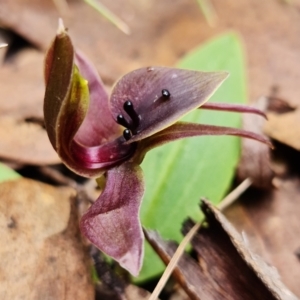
x: 255, y: 159
x: 271, y: 63
x: 143, y: 18
x: 188, y: 273
x: 130, y: 292
x: 227, y: 268
x: 270, y: 220
x: 112, y: 286
x: 22, y: 85
x: 31, y: 19
x: 36, y: 20
x: 279, y: 105
x: 266, y: 274
x: 22, y: 135
x: 25, y: 142
x: 285, y: 128
x: 42, y: 256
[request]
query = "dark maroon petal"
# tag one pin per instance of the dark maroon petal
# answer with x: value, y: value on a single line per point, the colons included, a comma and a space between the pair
x: 233, y: 108
x: 65, y: 107
x: 182, y: 130
x: 58, y: 78
x: 161, y: 96
x: 93, y: 161
x: 86, y: 161
x: 98, y: 126
x: 112, y: 222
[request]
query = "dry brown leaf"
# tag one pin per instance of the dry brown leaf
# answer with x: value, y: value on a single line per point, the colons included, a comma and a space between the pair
x: 179, y: 294
x: 21, y: 101
x: 279, y: 105
x: 271, y: 223
x: 284, y: 128
x: 111, y: 285
x: 155, y: 26
x: 32, y: 19
x: 227, y: 268
x: 164, y: 30
x: 22, y: 85
x: 265, y: 273
x: 255, y: 158
x: 25, y: 143
x: 155, y: 29
x: 131, y: 292
x: 42, y: 256
x: 270, y: 30
x: 188, y: 273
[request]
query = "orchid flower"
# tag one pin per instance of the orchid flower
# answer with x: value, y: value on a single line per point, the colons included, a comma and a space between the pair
x: 95, y: 135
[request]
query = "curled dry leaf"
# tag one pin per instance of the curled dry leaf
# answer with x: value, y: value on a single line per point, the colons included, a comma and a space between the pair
x: 255, y: 159
x: 41, y: 254
x: 227, y: 268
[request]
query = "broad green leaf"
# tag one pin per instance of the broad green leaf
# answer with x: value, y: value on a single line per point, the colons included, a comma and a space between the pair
x: 179, y: 173
x: 7, y: 173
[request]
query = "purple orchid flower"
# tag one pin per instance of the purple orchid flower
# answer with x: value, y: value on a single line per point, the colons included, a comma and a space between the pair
x: 94, y: 135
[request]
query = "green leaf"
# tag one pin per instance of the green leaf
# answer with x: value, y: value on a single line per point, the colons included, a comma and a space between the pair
x: 7, y: 173
x: 178, y: 174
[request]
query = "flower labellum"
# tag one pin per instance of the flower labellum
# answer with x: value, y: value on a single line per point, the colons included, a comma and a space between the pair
x: 94, y: 134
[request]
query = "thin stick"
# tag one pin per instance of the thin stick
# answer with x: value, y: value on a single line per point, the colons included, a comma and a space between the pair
x: 3, y: 45
x: 173, y: 262
x: 228, y: 200
x: 235, y: 194
x: 110, y: 16
x: 208, y: 12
